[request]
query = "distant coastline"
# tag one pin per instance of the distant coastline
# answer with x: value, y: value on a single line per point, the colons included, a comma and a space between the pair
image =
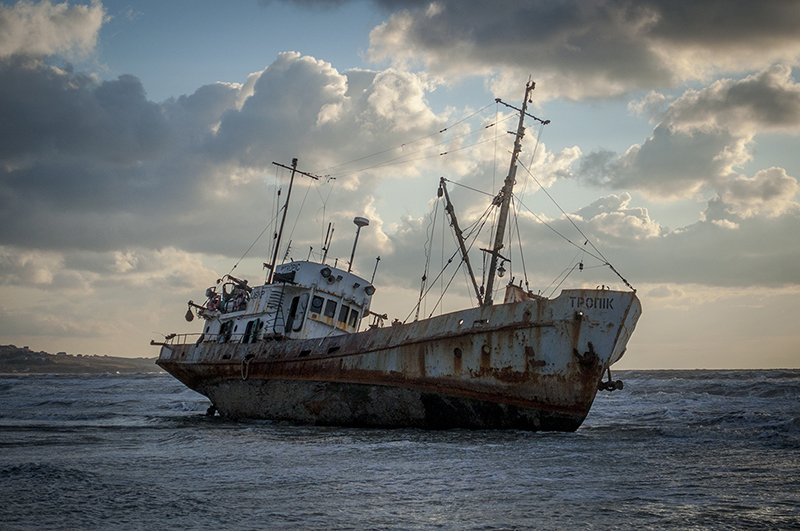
x: 22, y: 360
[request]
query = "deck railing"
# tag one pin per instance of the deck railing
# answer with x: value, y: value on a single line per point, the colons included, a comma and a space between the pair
x: 177, y: 339
x: 182, y: 339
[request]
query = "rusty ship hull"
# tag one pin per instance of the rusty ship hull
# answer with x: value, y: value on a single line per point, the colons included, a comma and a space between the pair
x: 291, y: 349
x: 531, y: 365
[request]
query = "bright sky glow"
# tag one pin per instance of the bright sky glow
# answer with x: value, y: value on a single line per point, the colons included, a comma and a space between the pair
x: 138, y: 141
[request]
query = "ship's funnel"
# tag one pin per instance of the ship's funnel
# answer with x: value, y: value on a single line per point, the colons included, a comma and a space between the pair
x: 360, y: 222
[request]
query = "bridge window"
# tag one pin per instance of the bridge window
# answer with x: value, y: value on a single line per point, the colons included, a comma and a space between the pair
x: 343, y: 314
x: 330, y: 308
x: 353, y: 317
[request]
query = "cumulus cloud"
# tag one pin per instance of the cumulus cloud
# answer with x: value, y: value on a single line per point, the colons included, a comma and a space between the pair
x: 768, y: 101
x: 28, y: 268
x: 650, y: 106
x: 589, y: 49
x: 97, y: 170
x: 613, y: 217
x: 770, y: 193
x: 95, y: 165
x: 43, y: 28
x: 754, y: 252
x: 164, y: 270
x: 703, y: 138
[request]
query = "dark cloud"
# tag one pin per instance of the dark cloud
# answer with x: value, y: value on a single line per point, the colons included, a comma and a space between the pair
x: 723, y: 249
x: 580, y: 40
x: 670, y: 164
x: 724, y: 23
x: 582, y: 49
x: 51, y: 112
x: 87, y: 164
x: 97, y: 166
x: 105, y: 177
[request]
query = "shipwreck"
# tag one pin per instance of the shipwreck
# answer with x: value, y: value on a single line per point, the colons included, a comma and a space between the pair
x: 300, y: 347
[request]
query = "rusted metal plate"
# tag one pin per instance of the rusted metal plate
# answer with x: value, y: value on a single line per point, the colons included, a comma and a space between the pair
x: 532, y: 364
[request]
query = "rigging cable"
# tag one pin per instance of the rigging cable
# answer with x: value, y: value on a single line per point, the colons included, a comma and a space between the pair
x: 477, y: 226
x: 533, y: 157
x: 546, y: 224
x: 586, y: 239
x: 403, y: 159
x: 441, y: 131
x: 254, y: 242
x: 473, y: 233
x: 567, y: 271
x: 519, y: 240
x: 514, y: 208
x: 430, y: 232
x: 430, y: 287
x: 299, y: 211
x: 324, y: 207
x: 446, y: 287
x: 273, y: 220
x: 468, y: 188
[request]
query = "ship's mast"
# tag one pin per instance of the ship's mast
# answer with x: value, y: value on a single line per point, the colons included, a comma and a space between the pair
x: 460, y: 237
x: 283, y: 219
x: 504, y: 197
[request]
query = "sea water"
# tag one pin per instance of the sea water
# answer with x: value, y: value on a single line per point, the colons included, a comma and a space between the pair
x: 672, y: 450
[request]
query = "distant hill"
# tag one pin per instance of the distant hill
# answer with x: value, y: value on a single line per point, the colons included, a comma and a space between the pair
x: 16, y: 360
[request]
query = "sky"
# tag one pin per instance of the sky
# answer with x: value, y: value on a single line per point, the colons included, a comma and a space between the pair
x: 138, y: 138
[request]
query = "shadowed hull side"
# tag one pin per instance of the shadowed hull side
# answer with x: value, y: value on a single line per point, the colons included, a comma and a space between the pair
x: 376, y: 406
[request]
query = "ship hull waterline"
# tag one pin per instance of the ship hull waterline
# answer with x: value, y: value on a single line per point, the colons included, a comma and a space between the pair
x: 530, y: 365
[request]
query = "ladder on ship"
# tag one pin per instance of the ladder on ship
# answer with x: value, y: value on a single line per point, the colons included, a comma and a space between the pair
x: 275, y: 307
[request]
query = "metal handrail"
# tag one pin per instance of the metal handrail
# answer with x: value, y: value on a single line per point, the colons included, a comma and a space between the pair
x: 182, y: 339
x: 174, y: 339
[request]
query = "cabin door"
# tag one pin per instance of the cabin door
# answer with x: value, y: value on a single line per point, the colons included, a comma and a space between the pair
x: 297, y: 313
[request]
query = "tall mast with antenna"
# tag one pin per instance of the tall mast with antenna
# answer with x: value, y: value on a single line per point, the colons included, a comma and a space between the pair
x: 504, y: 197
x: 283, y: 219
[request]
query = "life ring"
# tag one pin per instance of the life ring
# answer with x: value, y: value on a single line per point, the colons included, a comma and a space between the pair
x: 213, y: 302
